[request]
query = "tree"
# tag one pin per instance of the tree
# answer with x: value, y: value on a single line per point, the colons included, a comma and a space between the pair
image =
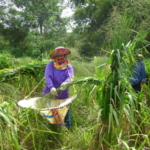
x: 13, y: 27
x: 90, y: 15
x: 100, y: 21
x: 2, y: 7
x: 22, y: 17
x: 39, y: 14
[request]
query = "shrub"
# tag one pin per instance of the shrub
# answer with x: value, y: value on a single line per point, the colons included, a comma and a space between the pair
x: 5, y: 60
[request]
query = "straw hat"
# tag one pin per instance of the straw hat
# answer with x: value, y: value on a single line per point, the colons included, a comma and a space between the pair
x: 139, y: 56
x: 59, y: 51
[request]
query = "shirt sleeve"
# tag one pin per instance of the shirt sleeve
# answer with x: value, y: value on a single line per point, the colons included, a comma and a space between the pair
x: 70, y: 74
x: 49, y: 75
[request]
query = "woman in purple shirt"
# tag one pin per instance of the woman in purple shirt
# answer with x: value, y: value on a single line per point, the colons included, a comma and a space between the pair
x: 57, y: 73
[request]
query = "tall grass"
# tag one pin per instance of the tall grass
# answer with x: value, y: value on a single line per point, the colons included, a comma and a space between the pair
x: 127, y: 19
x: 28, y: 129
x: 107, y: 113
x: 9, y: 138
x: 31, y: 131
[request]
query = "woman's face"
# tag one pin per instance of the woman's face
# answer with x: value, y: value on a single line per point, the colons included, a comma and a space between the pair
x: 60, y: 57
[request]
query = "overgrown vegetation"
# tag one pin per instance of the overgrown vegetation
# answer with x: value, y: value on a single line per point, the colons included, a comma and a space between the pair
x: 107, y: 113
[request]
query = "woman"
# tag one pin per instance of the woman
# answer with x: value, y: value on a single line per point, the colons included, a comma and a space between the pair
x: 57, y: 73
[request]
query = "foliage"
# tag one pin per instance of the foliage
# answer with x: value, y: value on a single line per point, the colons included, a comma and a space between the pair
x: 33, y: 131
x: 3, y: 43
x: 99, y: 22
x: 13, y: 28
x: 40, y: 14
x: 123, y: 24
x: 5, y: 60
x: 19, y: 19
x: 89, y: 16
x: 36, y: 46
x: 8, y: 121
x: 30, y: 69
x: 107, y: 113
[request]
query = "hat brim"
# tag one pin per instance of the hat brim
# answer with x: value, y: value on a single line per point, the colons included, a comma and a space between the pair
x: 59, y: 51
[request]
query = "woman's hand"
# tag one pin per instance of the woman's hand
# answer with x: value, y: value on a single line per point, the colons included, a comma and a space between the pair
x: 53, y: 91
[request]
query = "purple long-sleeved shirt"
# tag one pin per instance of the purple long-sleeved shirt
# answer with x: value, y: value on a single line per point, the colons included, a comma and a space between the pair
x: 54, y: 78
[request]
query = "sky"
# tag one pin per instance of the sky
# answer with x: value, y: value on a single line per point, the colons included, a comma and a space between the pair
x: 67, y: 12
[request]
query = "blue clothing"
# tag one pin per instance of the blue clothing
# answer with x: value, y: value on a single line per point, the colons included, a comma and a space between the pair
x: 137, y: 87
x: 139, y: 73
x: 68, y: 119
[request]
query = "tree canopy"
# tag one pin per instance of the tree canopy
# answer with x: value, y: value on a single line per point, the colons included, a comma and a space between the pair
x: 100, y: 25
x: 100, y: 22
x: 20, y: 18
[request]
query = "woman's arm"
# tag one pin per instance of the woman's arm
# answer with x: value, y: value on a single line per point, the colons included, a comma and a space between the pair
x: 70, y: 71
x: 49, y: 75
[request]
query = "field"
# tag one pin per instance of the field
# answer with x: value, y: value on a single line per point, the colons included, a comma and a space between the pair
x: 123, y: 127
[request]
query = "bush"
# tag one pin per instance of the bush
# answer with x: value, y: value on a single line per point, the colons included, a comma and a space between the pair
x: 5, y: 61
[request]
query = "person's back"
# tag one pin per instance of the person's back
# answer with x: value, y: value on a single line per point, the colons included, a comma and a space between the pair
x: 138, y: 77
